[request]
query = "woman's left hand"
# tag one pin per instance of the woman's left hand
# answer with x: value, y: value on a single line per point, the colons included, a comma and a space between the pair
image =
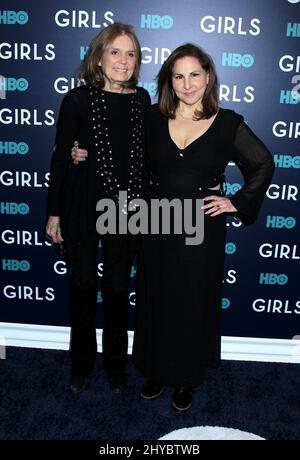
x: 217, y: 205
x: 78, y: 154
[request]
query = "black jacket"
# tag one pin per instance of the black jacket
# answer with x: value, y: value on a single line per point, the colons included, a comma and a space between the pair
x: 72, y: 188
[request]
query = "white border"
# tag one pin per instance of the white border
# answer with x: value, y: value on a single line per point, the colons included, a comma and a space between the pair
x: 233, y: 348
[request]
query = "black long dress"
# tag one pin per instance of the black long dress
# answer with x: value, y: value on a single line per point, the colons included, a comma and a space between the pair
x: 179, y: 286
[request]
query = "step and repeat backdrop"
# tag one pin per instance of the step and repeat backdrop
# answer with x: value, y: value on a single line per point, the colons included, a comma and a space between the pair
x: 255, y: 46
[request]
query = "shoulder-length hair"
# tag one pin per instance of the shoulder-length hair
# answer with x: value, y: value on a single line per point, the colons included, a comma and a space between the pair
x: 90, y: 70
x: 167, y: 99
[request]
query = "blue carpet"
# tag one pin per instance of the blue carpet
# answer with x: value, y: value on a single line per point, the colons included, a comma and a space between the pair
x: 35, y: 403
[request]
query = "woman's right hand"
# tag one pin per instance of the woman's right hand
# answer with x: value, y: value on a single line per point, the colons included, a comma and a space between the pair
x: 53, y: 229
x: 78, y: 154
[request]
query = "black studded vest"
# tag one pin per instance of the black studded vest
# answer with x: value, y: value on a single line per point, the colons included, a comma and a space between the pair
x: 118, y: 130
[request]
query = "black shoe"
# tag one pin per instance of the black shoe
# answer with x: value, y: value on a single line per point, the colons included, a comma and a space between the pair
x: 182, y: 398
x: 78, y: 383
x: 151, y: 389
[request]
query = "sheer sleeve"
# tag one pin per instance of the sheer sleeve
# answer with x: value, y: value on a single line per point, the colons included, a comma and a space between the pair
x: 67, y: 127
x: 257, y: 166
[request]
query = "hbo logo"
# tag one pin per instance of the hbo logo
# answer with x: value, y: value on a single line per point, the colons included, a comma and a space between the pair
x: 14, y: 208
x: 287, y: 161
x: 280, y: 222
x: 13, y: 84
x: 154, y: 21
x: 99, y: 297
x: 231, y: 189
x: 237, y: 60
x: 230, y: 248
x: 273, y: 278
x: 225, y: 303
x: 13, y: 17
x: 8, y: 147
x: 15, y: 265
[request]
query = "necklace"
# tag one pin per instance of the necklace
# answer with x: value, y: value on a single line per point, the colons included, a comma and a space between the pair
x: 184, y: 117
x: 102, y: 140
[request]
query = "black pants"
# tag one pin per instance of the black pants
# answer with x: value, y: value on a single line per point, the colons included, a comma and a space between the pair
x: 118, y: 256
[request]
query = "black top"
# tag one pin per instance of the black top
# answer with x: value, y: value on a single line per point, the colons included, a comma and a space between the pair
x: 118, y: 123
x: 75, y: 189
x: 202, y: 162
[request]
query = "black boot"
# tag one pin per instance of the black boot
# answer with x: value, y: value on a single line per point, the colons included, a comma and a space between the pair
x: 151, y: 389
x: 182, y: 398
